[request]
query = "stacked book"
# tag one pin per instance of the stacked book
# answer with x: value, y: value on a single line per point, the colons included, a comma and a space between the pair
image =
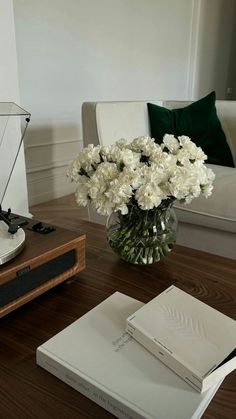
x: 167, y: 364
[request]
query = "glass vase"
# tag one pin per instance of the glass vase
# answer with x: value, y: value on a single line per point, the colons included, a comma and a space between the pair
x: 143, y: 237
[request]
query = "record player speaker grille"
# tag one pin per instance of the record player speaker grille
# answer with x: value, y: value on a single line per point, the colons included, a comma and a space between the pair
x: 44, y: 263
x: 28, y: 279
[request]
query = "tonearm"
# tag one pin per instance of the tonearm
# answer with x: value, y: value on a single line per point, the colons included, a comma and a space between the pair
x: 12, y: 225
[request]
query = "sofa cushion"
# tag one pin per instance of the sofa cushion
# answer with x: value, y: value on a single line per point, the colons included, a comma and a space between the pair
x: 121, y: 120
x: 199, y: 121
x: 219, y: 210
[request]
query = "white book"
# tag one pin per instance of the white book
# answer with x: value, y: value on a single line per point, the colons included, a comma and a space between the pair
x: 190, y: 337
x: 95, y: 356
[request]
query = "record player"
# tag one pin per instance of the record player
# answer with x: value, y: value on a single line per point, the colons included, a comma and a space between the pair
x: 13, y: 124
x: 34, y: 257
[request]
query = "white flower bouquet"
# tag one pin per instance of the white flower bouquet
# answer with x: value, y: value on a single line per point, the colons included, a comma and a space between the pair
x: 138, y: 180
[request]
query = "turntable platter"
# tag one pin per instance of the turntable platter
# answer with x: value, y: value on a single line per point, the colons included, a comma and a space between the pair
x: 10, y: 245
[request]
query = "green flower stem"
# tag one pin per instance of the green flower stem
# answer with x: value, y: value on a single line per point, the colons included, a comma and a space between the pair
x: 142, y: 237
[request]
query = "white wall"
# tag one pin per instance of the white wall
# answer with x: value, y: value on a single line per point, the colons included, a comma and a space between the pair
x: 70, y: 51
x: 16, y: 196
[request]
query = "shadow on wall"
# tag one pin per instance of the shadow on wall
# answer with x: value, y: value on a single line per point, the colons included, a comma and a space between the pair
x: 216, y: 39
x: 231, y: 81
x: 48, y: 151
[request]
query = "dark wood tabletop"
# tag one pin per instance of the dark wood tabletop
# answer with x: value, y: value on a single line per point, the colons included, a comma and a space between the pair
x: 27, y: 391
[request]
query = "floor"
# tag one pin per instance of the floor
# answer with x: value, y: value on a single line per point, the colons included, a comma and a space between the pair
x: 59, y: 209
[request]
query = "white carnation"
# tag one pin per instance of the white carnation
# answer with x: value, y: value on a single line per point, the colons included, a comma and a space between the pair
x: 142, y: 144
x: 107, y: 171
x: 183, y: 183
x: 207, y: 190
x: 81, y: 193
x: 102, y: 205
x: 111, y: 177
x: 130, y: 159
x: 171, y: 143
x: 73, y: 170
x: 88, y: 158
x: 149, y: 196
x: 122, y: 143
x: 190, y: 149
x: 99, y: 184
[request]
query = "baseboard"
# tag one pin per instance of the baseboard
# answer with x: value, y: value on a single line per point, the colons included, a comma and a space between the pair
x: 47, y: 161
x: 51, y: 184
x: 46, y: 196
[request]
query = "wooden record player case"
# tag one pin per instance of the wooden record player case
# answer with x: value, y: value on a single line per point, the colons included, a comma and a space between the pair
x: 46, y: 260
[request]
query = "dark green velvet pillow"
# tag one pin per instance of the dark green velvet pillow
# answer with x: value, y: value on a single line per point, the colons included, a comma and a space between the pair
x: 199, y: 121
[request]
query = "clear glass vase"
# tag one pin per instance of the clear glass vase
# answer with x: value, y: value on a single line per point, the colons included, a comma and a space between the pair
x: 143, y: 237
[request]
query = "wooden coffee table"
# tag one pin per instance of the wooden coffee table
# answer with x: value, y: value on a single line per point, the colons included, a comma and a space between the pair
x: 27, y: 391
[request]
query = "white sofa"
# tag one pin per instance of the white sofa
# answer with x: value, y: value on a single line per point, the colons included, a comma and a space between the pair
x: 205, y: 224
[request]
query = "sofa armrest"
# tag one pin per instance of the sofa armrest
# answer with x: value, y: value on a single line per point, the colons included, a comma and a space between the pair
x: 226, y: 110
x: 106, y: 122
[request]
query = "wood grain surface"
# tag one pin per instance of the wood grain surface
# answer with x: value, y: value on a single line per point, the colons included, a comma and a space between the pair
x: 27, y: 391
